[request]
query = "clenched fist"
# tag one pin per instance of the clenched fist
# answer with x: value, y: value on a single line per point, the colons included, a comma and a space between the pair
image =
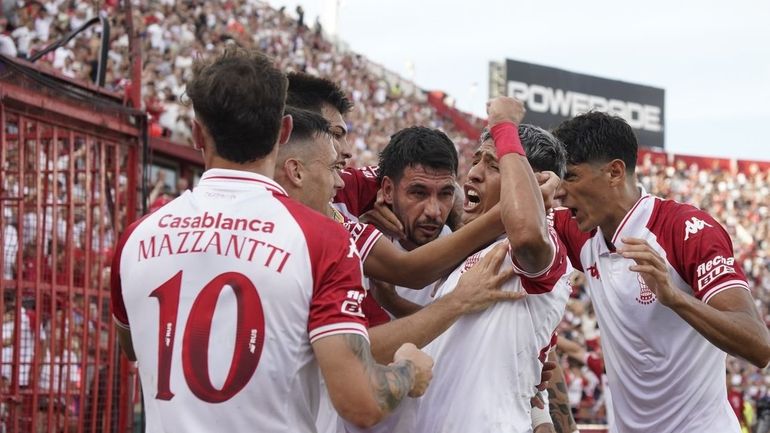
x: 505, y: 109
x: 423, y: 367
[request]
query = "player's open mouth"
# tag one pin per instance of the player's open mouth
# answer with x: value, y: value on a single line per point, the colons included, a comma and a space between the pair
x: 472, y: 199
x: 573, y: 211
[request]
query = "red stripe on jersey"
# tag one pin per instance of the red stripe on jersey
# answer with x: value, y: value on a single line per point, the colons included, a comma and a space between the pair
x: 116, y: 291
x: 336, y: 268
x: 544, y: 281
x: 570, y: 235
x: 360, y: 191
x: 628, y: 215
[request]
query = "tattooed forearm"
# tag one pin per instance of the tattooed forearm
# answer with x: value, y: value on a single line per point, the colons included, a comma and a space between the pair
x: 390, y: 383
x: 558, y: 401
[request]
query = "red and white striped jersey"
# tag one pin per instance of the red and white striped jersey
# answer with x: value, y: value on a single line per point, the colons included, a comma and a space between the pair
x: 359, y: 193
x: 665, y: 376
x: 224, y: 290
x: 489, y: 363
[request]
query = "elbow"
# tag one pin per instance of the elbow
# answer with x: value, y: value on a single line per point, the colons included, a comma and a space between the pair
x: 363, y: 416
x: 528, y: 240
x: 761, y: 358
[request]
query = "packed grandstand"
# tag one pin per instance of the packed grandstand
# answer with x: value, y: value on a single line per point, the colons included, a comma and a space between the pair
x: 174, y: 33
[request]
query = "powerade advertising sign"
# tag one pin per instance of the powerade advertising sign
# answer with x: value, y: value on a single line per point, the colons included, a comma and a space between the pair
x: 552, y: 95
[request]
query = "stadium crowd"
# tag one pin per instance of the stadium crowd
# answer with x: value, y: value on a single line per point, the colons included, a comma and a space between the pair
x: 175, y: 32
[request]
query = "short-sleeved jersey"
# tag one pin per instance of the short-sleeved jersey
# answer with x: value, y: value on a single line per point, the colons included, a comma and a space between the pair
x: 359, y: 193
x: 489, y: 363
x: 665, y: 376
x: 225, y: 289
x: 365, y: 236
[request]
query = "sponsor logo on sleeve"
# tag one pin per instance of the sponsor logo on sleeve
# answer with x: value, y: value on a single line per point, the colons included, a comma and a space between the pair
x: 709, y: 271
x: 693, y: 226
x: 352, y: 303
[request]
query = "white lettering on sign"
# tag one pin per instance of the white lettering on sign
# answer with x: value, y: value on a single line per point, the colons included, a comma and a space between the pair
x: 543, y: 99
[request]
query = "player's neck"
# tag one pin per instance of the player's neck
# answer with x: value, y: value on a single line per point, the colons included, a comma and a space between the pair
x: 265, y: 166
x: 625, y: 200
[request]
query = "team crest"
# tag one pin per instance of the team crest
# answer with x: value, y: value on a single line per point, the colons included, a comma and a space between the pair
x: 646, y: 296
x: 471, y: 261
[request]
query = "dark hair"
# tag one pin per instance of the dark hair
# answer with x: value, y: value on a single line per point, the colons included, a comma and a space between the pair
x: 598, y: 137
x: 544, y: 151
x: 239, y: 97
x: 307, y: 124
x: 311, y: 92
x: 417, y: 145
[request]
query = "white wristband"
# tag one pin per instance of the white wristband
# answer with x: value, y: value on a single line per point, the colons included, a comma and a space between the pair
x: 540, y: 416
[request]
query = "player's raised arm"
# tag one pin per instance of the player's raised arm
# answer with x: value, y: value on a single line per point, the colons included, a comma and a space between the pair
x: 521, y: 202
x: 430, y: 262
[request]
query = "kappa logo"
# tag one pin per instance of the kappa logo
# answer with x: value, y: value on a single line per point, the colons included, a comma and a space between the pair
x: 353, y: 250
x: 594, y: 271
x: 693, y: 226
x: 352, y: 303
x: 646, y: 297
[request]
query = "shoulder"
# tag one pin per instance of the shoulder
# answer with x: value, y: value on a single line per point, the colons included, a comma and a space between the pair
x: 675, y: 220
x: 367, y: 172
x: 315, y: 226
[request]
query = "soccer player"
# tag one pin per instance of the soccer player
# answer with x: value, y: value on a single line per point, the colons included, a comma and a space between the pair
x: 305, y: 168
x: 236, y: 294
x: 489, y: 364
x: 669, y: 296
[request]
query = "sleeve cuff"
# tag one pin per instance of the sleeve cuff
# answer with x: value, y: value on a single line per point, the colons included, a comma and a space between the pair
x: 120, y: 323
x: 719, y: 288
x: 535, y: 275
x: 338, y: 328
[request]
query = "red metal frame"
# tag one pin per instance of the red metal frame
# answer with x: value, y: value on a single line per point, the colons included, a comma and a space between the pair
x: 64, y: 165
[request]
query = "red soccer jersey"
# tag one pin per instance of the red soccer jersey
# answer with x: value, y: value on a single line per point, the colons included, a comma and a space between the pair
x: 360, y: 192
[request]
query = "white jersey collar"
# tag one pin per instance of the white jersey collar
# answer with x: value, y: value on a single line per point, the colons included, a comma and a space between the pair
x: 239, y: 176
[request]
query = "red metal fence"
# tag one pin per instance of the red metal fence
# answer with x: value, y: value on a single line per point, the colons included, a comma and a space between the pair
x: 68, y: 185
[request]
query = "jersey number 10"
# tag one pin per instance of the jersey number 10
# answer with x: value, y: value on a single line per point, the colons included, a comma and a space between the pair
x: 249, y: 336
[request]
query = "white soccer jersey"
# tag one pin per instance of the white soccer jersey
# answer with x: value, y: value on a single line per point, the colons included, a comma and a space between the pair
x: 420, y: 297
x: 489, y: 363
x: 224, y: 290
x: 665, y: 376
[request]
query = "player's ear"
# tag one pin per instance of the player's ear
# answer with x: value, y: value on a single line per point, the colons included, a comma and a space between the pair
x: 388, y: 188
x: 287, y: 124
x: 294, y: 171
x: 616, y: 170
x: 199, y: 135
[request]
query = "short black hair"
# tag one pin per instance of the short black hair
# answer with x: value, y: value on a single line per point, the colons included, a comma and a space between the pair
x: 307, y: 124
x: 239, y: 97
x: 544, y: 151
x: 311, y: 92
x: 414, y: 146
x: 598, y: 137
